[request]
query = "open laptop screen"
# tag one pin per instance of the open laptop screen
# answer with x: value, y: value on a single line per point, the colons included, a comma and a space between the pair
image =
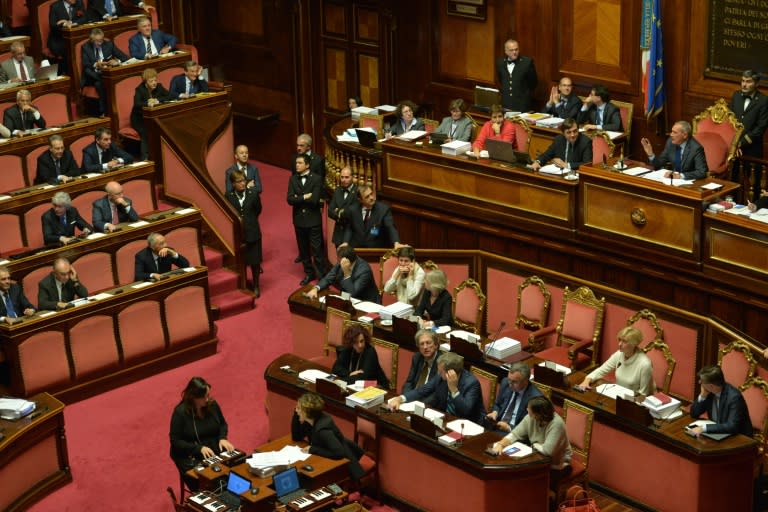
x: 286, y: 481
x: 236, y: 484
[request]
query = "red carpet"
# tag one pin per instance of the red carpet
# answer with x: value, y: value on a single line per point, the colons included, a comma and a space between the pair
x: 118, y: 441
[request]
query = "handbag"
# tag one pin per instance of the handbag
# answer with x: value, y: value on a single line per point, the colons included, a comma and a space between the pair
x: 578, y: 502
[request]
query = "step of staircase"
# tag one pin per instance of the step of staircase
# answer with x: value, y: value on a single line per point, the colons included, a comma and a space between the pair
x: 233, y: 302
x: 222, y: 285
x: 214, y: 259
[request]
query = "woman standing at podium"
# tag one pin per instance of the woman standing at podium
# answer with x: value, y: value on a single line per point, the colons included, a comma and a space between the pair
x: 198, y: 428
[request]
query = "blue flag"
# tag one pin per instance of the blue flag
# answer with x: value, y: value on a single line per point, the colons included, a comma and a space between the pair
x: 655, y: 96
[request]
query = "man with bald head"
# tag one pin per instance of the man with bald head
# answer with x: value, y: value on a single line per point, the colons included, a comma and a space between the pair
x: 60, y: 287
x: 57, y: 165
x: 343, y: 198
x: 517, y: 76
x: 252, y: 178
x: 113, y: 209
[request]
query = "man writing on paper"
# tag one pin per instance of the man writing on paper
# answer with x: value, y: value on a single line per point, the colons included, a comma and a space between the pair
x: 511, y: 404
x: 571, y: 147
x: 682, y: 152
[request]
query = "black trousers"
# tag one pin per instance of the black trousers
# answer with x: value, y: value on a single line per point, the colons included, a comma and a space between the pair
x: 311, y: 244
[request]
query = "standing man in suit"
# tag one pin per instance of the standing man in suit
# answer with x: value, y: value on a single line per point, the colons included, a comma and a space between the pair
x: 23, y: 115
x: 723, y: 403
x: 571, y: 147
x: 511, y: 404
x: 247, y: 202
x: 20, y: 67
x: 751, y: 108
x: 457, y: 391
x: 517, y: 75
x: 370, y: 222
x: 107, y: 10
x: 156, y: 259
x: 305, y: 189
x: 63, y: 14
x: 343, y: 198
x: 103, y: 155
x: 352, y: 275
x: 14, y: 303
x: 148, y: 42
x: 251, y: 172
x: 96, y: 55
x: 682, y: 152
x: 423, y: 362
x: 57, y: 165
x: 598, y: 113
x: 188, y: 83
x: 60, y: 221
x: 59, y: 287
x: 112, y: 209
x: 316, y: 162
x: 562, y: 102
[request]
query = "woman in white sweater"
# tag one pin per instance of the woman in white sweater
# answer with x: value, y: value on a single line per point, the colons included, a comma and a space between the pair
x: 407, y: 281
x: 633, y: 369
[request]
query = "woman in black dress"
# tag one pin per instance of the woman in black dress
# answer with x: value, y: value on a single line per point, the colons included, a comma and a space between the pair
x: 356, y: 359
x: 248, y: 203
x: 148, y: 93
x: 435, y: 307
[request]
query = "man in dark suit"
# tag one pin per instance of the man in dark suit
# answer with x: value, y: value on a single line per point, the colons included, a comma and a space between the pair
x: 751, y: 108
x: 60, y: 221
x: 352, y: 275
x: 517, y: 75
x: 682, y: 153
x: 305, y: 190
x: 343, y: 198
x: 13, y: 303
x: 20, y: 67
x: 457, y: 392
x: 511, y: 404
x: 571, y: 147
x: 598, y: 113
x: 63, y: 14
x: 188, y: 83
x: 247, y: 202
x: 156, y: 259
x: 96, y: 55
x: 424, y: 362
x: 113, y: 209
x: 148, y: 43
x: 252, y: 177
x: 57, y: 165
x: 107, y: 10
x: 316, y: 162
x: 59, y: 287
x: 723, y: 403
x: 563, y: 103
x: 23, y: 115
x: 370, y: 222
x: 103, y: 155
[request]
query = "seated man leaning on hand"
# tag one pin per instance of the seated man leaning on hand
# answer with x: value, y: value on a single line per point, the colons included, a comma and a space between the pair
x: 723, y: 403
x: 156, y: 259
x: 112, y: 209
x: 352, y: 275
x: 571, y: 147
x: 60, y: 287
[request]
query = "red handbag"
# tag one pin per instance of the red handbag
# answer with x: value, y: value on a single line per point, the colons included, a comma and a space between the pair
x: 579, y: 502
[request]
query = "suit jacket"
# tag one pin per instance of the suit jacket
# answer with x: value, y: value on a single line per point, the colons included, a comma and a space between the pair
x: 516, y: 89
x: 251, y: 174
x: 360, y: 284
x: 441, y: 312
x: 137, y: 46
x: 580, y: 153
x: 8, y: 69
x: 89, y: 57
x: 14, y: 119
x: 102, y: 213
x: 468, y: 403
x: 57, y: 13
x: 505, y: 393
x: 694, y: 162
x: 48, y: 294
x: 381, y: 230
x: 733, y: 417
x: 53, y: 229
x: 755, y: 120
x: 91, y: 157
x: 144, y: 264
x: 46, y: 167
x: 140, y: 98
x: 249, y: 211
x: 399, y: 129
x: 179, y: 86
x: 18, y: 299
x: 338, y: 210
x: 316, y: 164
x: 417, y: 363
x: 307, y: 213
x: 568, y: 107
x: 348, y: 361
x: 611, y: 117
x: 326, y: 440
x: 463, y: 128
x: 97, y: 9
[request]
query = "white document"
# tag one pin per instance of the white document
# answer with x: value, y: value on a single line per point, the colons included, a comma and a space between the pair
x: 614, y: 135
x: 517, y: 450
x: 712, y: 186
x: 465, y: 427
x: 433, y: 415
x: 552, y: 169
x: 659, y: 176
x: 407, y: 406
x: 554, y: 366
x: 368, y: 307
x: 94, y: 236
x: 100, y: 296
x: 612, y: 390
x: 635, y: 171
x: 141, y: 285
x: 413, y: 135
x: 386, y: 108
x: 3, y: 198
x: 185, y: 211
x: 289, y: 454
x: 312, y: 375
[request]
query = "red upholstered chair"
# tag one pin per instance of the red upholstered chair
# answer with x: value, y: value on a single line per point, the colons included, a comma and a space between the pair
x: 468, y: 306
x: 602, y: 147
x: 30, y: 281
x: 755, y: 392
x: 165, y: 76
x: 31, y: 162
x: 84, y: 203
x: 121, y: 40
x: 43, y: 361
x: 125, y: 259
x: 123, y: 100
x: 11, y: 241
x: 94, y: 344
x: 77, y: 148
x: 374, y: 121
x: 44, y: 28
x: 522, y: 133
x: 141, y: 329
x: 646, y: 322
x: 367, y: 438
x: 430, y: 125
x: 186, y: 241
x: 95, y: 271
x: 76, y: 70
x: 188, y: 48
x: 387, y: 353
x: 663, y: 363
x: 488, y: 385
x: 737, y: 362
x: 334, y: 332
x: 578, y: 427
x: 576, y: 337
x: 533, y: 301
x: 140, y: 193
x: 186, y: 315
x: 54, y: 107
x: 626, y: 110
x: 12, y: 176
x: 387, y: 265
x: 718, y: 130
x: 33, y: 225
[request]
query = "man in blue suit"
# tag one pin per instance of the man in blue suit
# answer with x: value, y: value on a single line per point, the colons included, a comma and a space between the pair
x: 682, y: 154
x: 351, y: 274
x: 103, y: 155
x: 511, y: 404
x: 188, y: 84
x: 107, y: 10
x: 147, y: 43
x: 96, y: 55
x: 598, y: 113
x: 13, y: 302
x: 723, y: 403
x: 112, y: 209
x: 156, y: 259
x: 252, y: 177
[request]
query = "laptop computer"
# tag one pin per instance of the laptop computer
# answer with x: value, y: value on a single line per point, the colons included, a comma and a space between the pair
x: 505, y: 152
x: 47, y: 72
x: 366, y: 138
x: 236, y: 485
x: 287, y: 486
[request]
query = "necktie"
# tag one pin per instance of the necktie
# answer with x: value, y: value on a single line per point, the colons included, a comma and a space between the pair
x: 567, y: 151
x: 366, y: 217
x: 599, y: 117
x: 715, y: 407
x: 101, y: 156
x: 747, y: 101
x: 99, y: 55
x: 9, y: 311
x: 423, y: 375
x: 69, y: 11
x: 64, y: 222
x: 58, y: 166
x: 115, y: 217
x: 22, y: 71
x: 453, y: 129
x: 303, y: 180
x: 510, y: 409
x: 189, y: 86
x: 678, y: 158
x: 149, y: 46
x: 450, y: 408
x: 346, y: 193
x: 59, y: 287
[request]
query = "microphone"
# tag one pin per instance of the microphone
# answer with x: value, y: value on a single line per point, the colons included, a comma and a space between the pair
x: 601, y: 394
x: 493, y: 338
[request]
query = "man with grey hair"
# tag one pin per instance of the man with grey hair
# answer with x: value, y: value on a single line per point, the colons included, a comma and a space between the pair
x: 423, y: 362
x: 20, y: 67
x: 57, y: 165
x: 113, y: 209
x: 60, y: 287
x: 457, y: 391
x: 316, y: 162
x: 23, y: 115
x: 60, y: 221
x: 682, y: 153
x: 156, y: 259
x: 13, y: 301
x: 511, y: 404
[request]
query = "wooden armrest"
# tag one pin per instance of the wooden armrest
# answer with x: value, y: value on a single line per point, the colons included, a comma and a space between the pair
x: 579, y: 347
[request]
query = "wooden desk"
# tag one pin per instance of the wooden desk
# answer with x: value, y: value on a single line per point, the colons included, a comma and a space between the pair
x: 33, y: 455
x: 735, y: 249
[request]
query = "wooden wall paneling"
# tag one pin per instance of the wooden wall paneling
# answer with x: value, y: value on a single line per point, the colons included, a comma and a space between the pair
x: 370, y: 80
x: 335, y: 78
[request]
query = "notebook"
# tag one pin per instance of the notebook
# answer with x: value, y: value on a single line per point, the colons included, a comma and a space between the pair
x: 236, y: 485
x: 505, y: 152
x: 366, y: 138
x: 287, y: 486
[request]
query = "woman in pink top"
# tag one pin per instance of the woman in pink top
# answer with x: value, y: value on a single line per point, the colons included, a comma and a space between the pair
x: 497, y: 128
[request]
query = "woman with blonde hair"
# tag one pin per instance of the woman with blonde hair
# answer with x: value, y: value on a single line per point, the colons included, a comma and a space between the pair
x: 436, y: 305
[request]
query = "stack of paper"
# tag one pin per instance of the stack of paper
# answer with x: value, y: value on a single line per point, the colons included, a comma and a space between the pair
x: 398, y: 309
x: 413, y: 135
x: 15, y: 408
x: 535, y: 118
x: 661, y: 405
x: 612, y: 390
x: 312, y: 375
x: 455, y: 147
x: 557, y: 367
x: 369, y: 397
x: 503, y: 348
x: 552, y: 122
x: 552, y: 169
x: 363, y: 110
x: 466, y: 336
